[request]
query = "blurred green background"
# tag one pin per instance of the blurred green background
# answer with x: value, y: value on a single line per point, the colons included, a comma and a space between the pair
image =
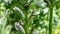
x: 29, y: 16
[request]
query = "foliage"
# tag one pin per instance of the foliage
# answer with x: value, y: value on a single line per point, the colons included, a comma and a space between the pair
x: 29, y: 16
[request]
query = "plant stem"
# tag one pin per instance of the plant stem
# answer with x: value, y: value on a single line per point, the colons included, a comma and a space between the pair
x: 50, y: 20
x: 26, y: 22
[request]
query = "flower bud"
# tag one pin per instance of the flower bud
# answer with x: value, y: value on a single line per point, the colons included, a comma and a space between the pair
x: 19, y: 27
x: 19, y: 10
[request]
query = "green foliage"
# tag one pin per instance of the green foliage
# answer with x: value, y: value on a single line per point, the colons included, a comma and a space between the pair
x: 31, y: 15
